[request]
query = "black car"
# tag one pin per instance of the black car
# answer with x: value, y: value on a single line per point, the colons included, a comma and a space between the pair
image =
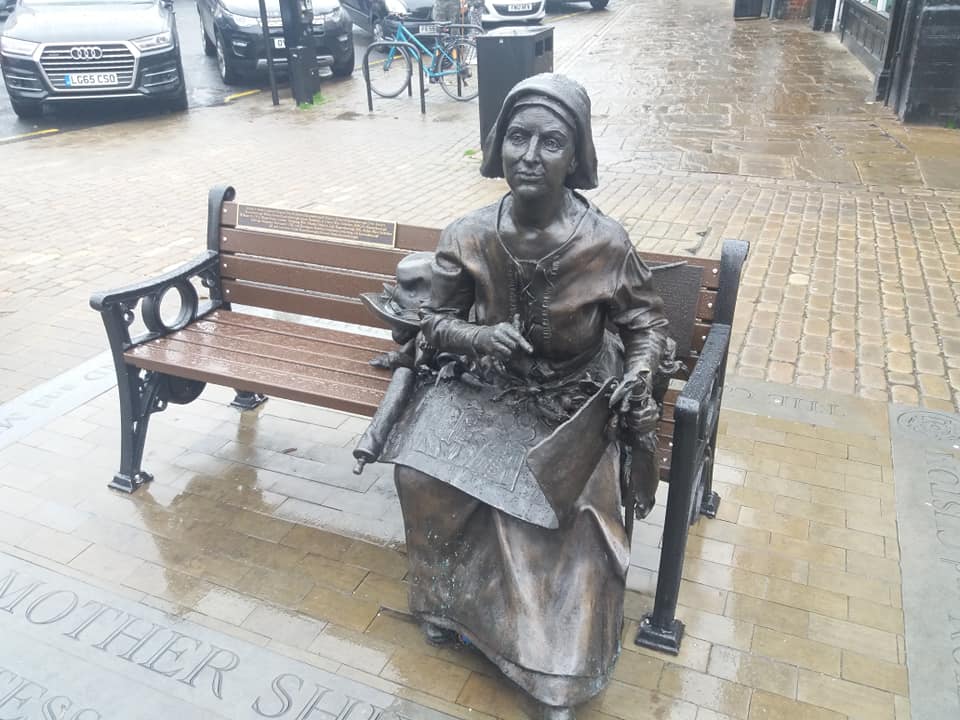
x: 70, y: 50
x: 231, y: 31
x: 374, y: 15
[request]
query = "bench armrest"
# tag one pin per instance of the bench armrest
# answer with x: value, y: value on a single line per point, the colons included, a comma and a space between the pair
x: 695, y: 416
x: 119, y: 308
x: 706, y: 380
x: 137, y: 291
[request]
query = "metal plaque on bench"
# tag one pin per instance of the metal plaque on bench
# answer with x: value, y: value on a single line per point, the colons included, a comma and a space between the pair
x: 334, y: 228
x: 679, y: 286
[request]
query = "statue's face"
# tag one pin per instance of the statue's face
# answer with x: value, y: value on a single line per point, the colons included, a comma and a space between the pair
x: 538, y: 153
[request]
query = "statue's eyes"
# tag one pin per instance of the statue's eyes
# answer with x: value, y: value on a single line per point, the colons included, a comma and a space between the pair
x: 516, y: 137
x: 552, y: 144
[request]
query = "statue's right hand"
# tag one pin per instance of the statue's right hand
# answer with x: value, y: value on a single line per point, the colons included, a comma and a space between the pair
x: 501, y: 341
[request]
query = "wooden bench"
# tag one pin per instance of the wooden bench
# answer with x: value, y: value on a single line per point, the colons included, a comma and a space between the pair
x: 295, y: 270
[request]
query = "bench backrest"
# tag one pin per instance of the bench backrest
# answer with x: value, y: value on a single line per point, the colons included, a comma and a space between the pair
x: 268, y: 260
x: 298, y: 262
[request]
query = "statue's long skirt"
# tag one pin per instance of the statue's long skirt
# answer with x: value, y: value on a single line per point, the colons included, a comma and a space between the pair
x: 545, y: 605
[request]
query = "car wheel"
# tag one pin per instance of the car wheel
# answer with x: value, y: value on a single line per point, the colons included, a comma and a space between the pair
x: 344, y: 68
x: 228, y: 73
x: 599, y: 4
x: 209, y: 49
x: 27, y: 109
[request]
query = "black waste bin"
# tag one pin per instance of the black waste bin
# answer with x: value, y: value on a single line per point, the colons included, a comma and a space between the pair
x: 506, y: 56
x: 304, y: 74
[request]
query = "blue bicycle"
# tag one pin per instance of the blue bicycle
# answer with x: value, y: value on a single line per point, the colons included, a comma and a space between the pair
x: 453, y: 62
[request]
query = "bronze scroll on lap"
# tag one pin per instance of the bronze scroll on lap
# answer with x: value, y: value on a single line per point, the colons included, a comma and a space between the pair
x: 539, y: 346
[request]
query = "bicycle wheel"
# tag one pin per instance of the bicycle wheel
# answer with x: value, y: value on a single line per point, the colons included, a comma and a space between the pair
x: 458, y: 69
x: 390, y: 76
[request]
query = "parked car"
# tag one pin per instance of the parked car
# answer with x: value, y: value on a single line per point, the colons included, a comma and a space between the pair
x: 374, y: 16
x: 595, y: 4
x: 71, y: 50
x: 6, y: 7
x: 497, y: 11
x: 231, y: 31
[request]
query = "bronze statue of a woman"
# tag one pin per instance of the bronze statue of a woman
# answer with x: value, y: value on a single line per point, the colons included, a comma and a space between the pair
x: 539, y: 304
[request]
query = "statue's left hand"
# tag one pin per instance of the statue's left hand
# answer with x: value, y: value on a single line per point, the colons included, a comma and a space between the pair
x: 643, y: 415
x: 631, y: 400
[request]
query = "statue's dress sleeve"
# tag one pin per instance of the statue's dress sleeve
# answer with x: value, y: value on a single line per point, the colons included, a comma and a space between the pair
x: 444, y: 321
x: 637, y: 312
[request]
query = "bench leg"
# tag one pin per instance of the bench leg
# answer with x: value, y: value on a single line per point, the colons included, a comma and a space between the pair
x: 660, y: 629
x: 248, y: 400
x: 710, y: 502
x: 139, y: 398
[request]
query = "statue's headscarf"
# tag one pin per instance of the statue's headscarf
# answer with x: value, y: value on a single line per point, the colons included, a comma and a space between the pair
x: 564, y: 97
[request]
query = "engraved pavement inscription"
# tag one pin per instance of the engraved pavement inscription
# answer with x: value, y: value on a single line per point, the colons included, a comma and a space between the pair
x: 71, y: 651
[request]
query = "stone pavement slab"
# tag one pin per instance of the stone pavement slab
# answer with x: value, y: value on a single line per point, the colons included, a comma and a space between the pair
x: 926, y: 465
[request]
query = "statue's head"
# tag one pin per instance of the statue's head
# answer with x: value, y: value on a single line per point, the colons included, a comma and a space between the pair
x: 541, y: 140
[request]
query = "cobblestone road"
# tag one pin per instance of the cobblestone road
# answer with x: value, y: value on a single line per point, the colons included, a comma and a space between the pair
x: 705, y: 128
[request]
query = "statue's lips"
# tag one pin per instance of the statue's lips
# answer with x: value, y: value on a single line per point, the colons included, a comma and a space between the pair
x: 526, y: 177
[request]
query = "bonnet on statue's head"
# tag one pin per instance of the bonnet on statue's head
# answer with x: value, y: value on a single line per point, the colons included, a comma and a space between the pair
x: 565, y: 98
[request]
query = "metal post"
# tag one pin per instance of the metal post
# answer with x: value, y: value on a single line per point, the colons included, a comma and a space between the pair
x: 423, y: 93
x: 268, y: 47
x: 661, y: 630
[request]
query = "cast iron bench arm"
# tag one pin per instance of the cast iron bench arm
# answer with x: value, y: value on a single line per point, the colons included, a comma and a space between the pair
x: 118, y: 308
x: 136, y: 291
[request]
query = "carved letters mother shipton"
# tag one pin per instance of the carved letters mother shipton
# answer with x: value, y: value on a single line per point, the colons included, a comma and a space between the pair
x: 513, y: 415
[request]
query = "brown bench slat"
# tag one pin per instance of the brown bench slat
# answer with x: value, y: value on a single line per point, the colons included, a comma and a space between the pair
x: 301, y: 303
x: 262, y: 345
x: 413, y: 238
x: 711, y: 268
x: 349, y: 283
x: 297, y: 330
x: 706, y: 304
x: 302, y: 387
x: 700, y: 332
x: 382, y: 261
x: 295, y: 366
x: 345, y: 352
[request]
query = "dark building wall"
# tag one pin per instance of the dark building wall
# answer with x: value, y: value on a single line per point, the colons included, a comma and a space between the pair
x: 932, y: 72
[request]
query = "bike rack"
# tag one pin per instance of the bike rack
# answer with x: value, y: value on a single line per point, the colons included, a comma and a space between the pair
x: 413, y: 51
x: 463, y: 27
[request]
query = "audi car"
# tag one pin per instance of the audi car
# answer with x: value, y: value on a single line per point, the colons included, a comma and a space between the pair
x: 231, y: 31
x: 58, y: 51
